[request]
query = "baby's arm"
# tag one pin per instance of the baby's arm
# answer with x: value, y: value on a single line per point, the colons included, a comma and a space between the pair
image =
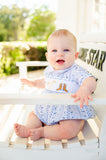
x: 39, y: 83
x: 85, y: 91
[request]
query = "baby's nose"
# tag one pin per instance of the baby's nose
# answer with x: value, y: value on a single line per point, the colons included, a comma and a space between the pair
x: 60, y: 54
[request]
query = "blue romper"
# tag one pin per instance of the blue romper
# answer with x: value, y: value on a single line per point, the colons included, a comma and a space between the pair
x: 63, y: 81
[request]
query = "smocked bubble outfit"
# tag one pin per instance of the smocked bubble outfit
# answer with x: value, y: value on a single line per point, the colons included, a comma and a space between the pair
x: 63, y: 81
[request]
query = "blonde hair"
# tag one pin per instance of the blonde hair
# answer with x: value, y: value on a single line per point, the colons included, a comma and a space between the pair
x: 63, y: 32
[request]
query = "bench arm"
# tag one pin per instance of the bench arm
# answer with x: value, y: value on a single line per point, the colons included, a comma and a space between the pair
x: 36, y: 98
x: 102, y: 152
x: 23, y: 66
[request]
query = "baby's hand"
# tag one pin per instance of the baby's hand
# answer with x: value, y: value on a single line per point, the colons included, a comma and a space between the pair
x: 27, y: 82
x: 82, y: 95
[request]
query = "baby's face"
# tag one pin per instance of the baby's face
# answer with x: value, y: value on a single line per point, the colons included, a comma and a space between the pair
x: 61, y: 52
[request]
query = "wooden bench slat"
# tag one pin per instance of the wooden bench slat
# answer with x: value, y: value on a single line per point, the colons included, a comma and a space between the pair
x: 13, y: 137
x: 64, y: 143
x: 81, y: 138
x: 8, y: 127
x: 25, y: 142
x: 46, y: 143
x: 4, y: 113
x: 39, y: 144
x: 29, y: 143
x: 95, y: 125
x: 15, y: 140
x: 89, y: 136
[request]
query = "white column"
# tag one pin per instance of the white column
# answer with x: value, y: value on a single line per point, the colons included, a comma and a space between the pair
x: 67, y: 15
x: 75, y: 15
x: 85, y: 11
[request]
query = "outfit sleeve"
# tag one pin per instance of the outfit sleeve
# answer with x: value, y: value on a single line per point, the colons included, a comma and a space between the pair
x: 81, y: 74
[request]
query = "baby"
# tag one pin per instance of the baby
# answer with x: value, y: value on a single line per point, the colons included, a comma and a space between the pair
x: 63, y: 75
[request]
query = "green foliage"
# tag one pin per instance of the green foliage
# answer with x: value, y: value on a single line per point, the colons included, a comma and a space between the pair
x: 13, y: 24
x: 9, y: 57
x: 36, y: 53
x: 42, y: 23
x: 3, y: 32
x: 10, y: 54
x: 11, y: 21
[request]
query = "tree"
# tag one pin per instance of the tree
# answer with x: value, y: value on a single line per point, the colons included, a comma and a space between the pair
x: 42, y: 23
x: 3, y: 32
x: 12, y: 19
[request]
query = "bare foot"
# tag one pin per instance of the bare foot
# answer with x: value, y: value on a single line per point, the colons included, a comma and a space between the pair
x: 21, y: 131
x: 36, y: 134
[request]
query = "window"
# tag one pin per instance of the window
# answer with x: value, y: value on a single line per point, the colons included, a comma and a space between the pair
x: 99, y: 15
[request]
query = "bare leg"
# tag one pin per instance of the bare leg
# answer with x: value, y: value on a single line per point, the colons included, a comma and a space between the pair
x: 31, y: 123
x: 66, y: 129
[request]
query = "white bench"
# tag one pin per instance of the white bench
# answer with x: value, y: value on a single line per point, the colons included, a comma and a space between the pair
x: 23, y: 66
x: 89, y: 144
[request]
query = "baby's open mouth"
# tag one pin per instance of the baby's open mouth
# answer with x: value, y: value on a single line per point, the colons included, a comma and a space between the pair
x: 60, y: 61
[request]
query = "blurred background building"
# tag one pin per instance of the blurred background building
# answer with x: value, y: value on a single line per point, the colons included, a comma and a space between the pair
x: 81, y: 15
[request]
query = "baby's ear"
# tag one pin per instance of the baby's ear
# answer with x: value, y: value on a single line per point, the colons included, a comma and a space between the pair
x: 46, y: 54
x: 76, y: 55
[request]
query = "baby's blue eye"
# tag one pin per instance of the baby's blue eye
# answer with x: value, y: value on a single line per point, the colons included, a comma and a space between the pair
x: 54, y: 50
x: 66, y: 50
